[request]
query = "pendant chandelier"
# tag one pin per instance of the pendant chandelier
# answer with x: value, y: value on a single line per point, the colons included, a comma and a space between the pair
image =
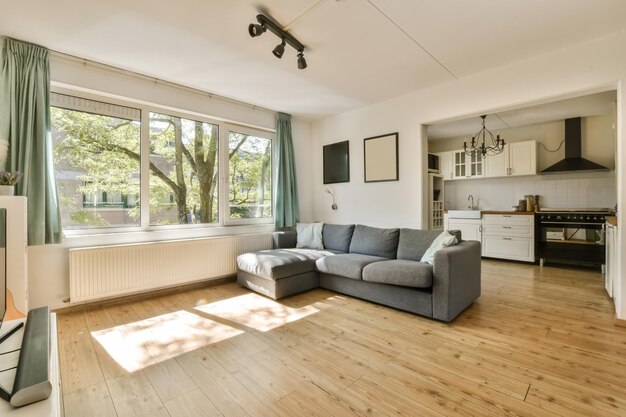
x: 495, y: 147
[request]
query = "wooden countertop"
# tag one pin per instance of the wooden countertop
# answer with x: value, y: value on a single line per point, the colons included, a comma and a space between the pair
x: 518, y: 213
x: 611, y: 219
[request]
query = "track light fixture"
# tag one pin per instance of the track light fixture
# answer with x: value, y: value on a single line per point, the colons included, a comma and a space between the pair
x: 301, y: 60
x: 256, y: 30
x: 279, y: 50
x: 266, y: 23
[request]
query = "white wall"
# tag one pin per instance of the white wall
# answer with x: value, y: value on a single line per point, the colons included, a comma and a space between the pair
x: 48, y: 265
x: 590, y: 67
x: 573, y: 190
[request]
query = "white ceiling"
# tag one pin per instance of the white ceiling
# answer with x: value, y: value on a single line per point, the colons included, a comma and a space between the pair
x: 359, y: 51
x: 590, y: 105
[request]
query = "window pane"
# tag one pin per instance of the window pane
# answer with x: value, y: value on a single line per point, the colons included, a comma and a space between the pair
x: 249, y: 176
x: 183, y: 170
x: 96, y: 163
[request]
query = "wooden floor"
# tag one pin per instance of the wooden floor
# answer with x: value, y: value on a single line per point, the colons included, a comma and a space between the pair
x: 539, y: 342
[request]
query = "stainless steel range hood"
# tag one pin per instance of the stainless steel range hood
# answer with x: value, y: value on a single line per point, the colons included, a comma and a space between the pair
x: 573, y: 150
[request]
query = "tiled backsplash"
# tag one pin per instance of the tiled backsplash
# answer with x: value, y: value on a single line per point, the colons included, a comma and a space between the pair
x: 574, y: 190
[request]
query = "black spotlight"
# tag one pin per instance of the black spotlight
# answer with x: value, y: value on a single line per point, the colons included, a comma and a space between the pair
x: 301, y: 60
x: 279, y: 50
x: 255, y: 30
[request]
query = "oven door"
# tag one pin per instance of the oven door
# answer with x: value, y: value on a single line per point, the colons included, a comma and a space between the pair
x: 582, y: 243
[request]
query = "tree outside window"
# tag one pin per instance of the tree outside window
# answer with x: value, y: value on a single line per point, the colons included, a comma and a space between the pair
x: 97, y: 161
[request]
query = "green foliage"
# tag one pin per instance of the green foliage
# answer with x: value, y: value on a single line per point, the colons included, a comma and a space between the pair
x: 101, y: 154
x: 10, y: 178
x: 250, y: 190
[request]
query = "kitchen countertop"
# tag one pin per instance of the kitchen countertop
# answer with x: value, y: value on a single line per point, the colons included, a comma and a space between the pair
x: 518, y: 213
x: 611, y: 219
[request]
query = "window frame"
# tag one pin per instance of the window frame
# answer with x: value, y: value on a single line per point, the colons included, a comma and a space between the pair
x: 224, y: 126
x: 224, y: 174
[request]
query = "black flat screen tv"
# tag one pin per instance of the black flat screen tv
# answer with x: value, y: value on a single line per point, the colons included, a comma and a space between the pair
x: 337, y: 162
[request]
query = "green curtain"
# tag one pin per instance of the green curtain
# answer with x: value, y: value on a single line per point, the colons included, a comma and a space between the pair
x: 286, y: 207
x: 25, y: 123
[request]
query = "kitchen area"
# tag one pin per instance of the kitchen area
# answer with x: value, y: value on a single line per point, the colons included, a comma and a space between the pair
x: 535, y: 184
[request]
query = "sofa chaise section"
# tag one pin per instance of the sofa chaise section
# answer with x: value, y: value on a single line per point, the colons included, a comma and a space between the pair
x: 278, y: 273
x: 287, y: 270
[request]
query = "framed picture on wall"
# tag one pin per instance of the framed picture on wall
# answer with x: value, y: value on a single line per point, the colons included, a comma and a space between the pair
x: 337, y: 162
x: 380, y: 155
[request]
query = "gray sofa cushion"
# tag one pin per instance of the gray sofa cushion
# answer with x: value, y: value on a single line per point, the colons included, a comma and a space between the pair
x: 374, y: 241
x: 280, y: 263
x: 348, y: 265
x: 400, y: 272
x: 337, y: 236
x: 413, y: 243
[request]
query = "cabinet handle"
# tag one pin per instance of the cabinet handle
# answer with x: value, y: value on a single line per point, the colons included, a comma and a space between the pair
x: 506, y: 227
x: 480, y: 228
x: 506, y: 238
x: 506, y: 215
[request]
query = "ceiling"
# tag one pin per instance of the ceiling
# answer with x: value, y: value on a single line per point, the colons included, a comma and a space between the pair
x: 585, y: 106
x: 359, y: 51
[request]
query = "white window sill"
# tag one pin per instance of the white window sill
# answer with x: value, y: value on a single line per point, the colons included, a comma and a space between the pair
x: 72, y: 239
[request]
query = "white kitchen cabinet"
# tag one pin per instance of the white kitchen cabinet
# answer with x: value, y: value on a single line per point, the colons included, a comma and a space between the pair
x: 523, y: 158
x: 509, y: 236
x: 611, y: 258
x: 518, y: 158
x: 470, y: 228
x: 446, y: 166
x: 467, y: 166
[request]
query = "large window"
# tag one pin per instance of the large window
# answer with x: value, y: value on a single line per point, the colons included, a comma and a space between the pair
x: 96, y: 161
x: 249, y: 176
x: 183, y: 170
x: 178, y: 170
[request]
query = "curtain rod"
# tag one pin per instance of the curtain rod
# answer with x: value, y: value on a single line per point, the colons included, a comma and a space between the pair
x: 117, y: 70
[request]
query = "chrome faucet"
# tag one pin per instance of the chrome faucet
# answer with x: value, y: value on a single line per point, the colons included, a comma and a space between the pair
x: 471, y: 206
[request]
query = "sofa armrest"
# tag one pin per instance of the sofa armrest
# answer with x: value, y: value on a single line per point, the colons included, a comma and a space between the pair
x: 456, y: 279
x: 284, y: 239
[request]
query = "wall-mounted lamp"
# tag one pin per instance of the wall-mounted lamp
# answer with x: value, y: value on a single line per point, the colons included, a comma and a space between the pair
x: 333, y: 206
x: 266, y: 23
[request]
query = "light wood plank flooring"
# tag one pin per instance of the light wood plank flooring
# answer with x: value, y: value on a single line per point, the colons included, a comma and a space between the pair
x: 539, y: 342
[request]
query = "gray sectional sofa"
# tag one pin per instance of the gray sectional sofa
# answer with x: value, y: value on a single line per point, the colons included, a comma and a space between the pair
x: 379, y: 265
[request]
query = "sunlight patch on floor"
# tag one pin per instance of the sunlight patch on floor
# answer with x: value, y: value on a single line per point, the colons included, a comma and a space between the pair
x: 256, y: 311
x: 139, y: 344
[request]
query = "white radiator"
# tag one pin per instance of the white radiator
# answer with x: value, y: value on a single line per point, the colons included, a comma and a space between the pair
x: 107, y: 271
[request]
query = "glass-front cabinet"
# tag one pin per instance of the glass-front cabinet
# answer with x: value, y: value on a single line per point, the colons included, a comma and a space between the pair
x: 468, y: 166
x: 460, y: 170
x: 476, y: 161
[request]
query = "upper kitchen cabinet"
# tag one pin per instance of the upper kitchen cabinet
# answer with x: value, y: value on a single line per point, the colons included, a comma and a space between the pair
x: 456, y: 165
x: 518, y: 158
x: 466, y: 166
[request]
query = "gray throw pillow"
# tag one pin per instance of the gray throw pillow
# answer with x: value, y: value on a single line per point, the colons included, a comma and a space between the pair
x: 414, y: 243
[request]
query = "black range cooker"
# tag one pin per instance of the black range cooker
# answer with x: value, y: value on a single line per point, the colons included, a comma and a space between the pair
x: 571, y: 235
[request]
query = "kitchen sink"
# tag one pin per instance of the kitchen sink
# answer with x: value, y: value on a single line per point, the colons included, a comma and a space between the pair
x: 464, y: 214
